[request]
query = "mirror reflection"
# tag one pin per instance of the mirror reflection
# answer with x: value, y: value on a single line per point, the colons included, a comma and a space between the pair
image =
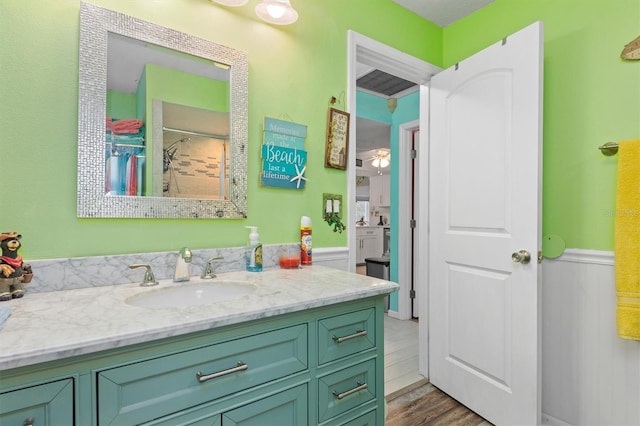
x: 122, y: 130
x: 195, y: 161
x: 160, y: 148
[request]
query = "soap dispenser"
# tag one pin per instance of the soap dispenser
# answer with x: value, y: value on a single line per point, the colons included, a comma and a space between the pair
x: 254, y: 251
x: 182, y: 272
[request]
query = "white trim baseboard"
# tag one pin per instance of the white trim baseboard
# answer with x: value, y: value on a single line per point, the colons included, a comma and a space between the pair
x: 330, y: 253
x: 597, y: 257
x: 335, y: 257
x: 548, y: 420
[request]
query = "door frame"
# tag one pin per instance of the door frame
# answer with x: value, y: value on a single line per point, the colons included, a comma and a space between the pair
x: 404, y: 215
x: 362, y: 49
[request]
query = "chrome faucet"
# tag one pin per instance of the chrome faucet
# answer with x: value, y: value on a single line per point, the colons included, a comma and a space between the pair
x: 149, y: 279
x: 182, y: 265
x: 208, y: 272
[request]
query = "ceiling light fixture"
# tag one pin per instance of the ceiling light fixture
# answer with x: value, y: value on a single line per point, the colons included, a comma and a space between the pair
x: 279, y: 12
x: 232, y: 3
x: 381, y: 160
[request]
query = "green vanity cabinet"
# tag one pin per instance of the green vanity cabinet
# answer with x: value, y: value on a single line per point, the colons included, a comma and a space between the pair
x: 142, y: 391
x: 285, y: 408
x: 42, y: 404
x: 319, y: 366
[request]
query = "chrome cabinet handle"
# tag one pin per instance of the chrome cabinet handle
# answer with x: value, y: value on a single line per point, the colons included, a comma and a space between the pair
x: 204, y: 377
x: 358, y: 333
x: 521, y: 256
x: 360, y: 386
x: 29, y: 421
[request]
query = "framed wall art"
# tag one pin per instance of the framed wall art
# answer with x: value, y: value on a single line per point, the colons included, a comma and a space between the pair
x: 337, y: 139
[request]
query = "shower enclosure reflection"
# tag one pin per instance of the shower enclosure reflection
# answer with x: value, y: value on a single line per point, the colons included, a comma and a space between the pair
x: 159, y: 148
x: 195, y: 161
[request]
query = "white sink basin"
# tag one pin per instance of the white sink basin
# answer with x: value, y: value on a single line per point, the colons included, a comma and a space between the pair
x: 193, y: 294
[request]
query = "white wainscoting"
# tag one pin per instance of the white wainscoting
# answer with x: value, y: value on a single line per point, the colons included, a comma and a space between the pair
x: 333, y: 257
x: 589, y: 375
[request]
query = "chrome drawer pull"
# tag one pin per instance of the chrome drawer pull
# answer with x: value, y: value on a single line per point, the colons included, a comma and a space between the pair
x: 203, y: 378
x: 358, y: 333
x: 361, y: 386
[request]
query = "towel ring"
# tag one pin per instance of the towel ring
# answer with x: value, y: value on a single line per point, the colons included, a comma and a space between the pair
x: 609, y: 149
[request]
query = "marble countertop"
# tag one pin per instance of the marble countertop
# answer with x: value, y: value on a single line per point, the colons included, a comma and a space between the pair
x: 60, y: 324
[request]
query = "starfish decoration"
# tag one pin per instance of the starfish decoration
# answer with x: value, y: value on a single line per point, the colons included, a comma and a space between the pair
x: 299, y: 176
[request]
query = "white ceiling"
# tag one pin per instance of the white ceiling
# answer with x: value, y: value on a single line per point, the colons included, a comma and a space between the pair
x: 443, y: 12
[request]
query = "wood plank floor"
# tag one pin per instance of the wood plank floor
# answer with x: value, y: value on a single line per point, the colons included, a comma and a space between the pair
x: 427, y: 405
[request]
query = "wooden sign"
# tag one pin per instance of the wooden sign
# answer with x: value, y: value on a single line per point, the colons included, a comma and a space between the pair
x: 285, y: 141
x: 284, y: 160
x: 337, y: 139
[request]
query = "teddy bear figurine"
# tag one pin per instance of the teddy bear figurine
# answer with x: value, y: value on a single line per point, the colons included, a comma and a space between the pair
x: 14, y: 273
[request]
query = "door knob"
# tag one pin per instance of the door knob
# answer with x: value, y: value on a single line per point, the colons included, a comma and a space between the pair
x: 522, y: 256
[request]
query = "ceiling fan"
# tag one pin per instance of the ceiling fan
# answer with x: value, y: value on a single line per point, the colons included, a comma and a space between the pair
x: 381, y: 159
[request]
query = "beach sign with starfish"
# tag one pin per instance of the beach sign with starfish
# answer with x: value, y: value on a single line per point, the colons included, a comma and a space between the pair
x: 284, y: 160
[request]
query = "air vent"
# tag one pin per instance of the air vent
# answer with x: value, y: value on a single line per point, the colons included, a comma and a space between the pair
x: 381, y: 82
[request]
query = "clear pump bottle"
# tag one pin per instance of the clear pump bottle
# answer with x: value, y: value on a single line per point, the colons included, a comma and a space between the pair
x: 254, y: 251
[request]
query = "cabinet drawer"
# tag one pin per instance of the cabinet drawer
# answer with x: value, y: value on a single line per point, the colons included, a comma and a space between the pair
x: 46, y: 404
x: 366, y: 232
x: 345, y: 389
x: 346, y: 334
x: 368, y: 419
x: 143, y: 391
x: 288, y: 407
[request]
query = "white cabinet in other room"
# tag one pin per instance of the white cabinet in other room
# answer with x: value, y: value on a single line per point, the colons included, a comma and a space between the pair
x: 379, y: 194
x: 368, y: 243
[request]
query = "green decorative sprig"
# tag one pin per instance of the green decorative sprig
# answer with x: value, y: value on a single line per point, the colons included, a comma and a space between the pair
x: 333, y: 219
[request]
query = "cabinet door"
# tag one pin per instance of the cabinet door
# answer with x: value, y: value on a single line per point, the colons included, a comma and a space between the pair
x: 288, y: 408
x: 372, y: 247
x: 359, y: 250
x: 379, y: 190
x: 368, y: 243
x: 385, y: 196
x: 46, y: 404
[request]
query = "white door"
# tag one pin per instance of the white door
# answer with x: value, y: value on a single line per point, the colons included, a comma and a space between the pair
x: 485, y: 174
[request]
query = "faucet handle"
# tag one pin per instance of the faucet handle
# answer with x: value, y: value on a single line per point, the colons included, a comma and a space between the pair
x: 208, y: 269
x: 149, y: 279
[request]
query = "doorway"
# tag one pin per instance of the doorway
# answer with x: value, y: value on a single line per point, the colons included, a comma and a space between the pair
x: 363, y: 50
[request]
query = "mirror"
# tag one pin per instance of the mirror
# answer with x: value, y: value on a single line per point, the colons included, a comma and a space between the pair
x: 148, y: 149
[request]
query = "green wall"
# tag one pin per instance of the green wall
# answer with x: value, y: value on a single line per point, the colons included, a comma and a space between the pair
x: 121, y: 105
x: 293, y: 72
x: 591, y: 96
